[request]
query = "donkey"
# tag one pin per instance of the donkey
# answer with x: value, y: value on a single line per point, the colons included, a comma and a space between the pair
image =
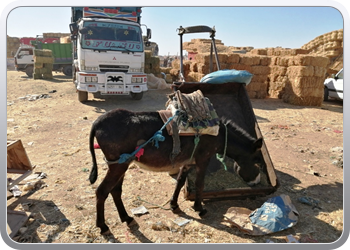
x: 120, y: 131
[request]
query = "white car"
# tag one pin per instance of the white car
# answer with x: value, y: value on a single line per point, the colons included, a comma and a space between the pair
x: 333, y: 87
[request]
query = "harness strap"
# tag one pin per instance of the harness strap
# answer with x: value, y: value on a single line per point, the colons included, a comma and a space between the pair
x: 221, y: 158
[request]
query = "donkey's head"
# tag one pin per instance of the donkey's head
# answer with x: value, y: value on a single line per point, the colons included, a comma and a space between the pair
x: 247, y: 166
x: 245, y: 151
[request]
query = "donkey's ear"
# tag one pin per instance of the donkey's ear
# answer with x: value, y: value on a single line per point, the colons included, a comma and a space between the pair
x: 257, y: 144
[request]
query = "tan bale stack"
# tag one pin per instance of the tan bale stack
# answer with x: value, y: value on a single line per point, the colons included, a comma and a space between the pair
x: 152, y: 64
x: 65, y: 39
x: 305, y: 80
x: 278, y: 76
x: 43, y: 64
x: 257, y: 88
x: 53, y: 34
x: 13, y: 44
x: 331, y: 46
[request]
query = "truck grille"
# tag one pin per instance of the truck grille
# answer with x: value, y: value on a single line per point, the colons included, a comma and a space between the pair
x: 114, y: 68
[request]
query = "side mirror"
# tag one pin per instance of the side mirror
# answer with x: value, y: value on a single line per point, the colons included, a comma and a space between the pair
x: 333, y: 76
x: 73, y: 27
x: 149, y: 33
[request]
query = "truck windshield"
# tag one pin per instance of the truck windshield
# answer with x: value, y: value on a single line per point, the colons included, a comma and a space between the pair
x: 112, y: 36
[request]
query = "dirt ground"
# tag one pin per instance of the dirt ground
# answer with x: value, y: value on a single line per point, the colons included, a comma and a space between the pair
x: 305, y: 145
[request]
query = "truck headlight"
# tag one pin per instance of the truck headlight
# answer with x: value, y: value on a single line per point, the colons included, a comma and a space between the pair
x: 91, y: 68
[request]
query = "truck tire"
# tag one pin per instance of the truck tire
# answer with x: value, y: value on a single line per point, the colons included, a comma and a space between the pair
x: 29, y: 71
x: 82, y: 96
x: 136, y: 96
x: 325, y: 94
x: 67, y: 70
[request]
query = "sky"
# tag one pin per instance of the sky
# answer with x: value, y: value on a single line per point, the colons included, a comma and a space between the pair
x: 258, y: 27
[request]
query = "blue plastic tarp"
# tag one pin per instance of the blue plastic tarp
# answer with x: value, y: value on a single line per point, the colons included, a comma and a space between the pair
x: 228, y: 75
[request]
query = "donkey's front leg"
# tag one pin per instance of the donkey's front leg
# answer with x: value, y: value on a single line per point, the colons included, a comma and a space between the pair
x: 201, y: 169
x: 181, y: 178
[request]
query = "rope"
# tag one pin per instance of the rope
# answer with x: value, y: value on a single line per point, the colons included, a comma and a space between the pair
x: 221, y: 158
x: 156, y: 138
x: 196, y: 141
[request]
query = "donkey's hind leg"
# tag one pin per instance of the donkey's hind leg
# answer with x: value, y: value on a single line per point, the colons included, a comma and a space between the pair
x: 116, y: 194
x: 113, y: 176
x: 181, y: 178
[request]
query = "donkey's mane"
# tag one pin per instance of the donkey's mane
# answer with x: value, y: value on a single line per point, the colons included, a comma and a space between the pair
x: 234, y: 127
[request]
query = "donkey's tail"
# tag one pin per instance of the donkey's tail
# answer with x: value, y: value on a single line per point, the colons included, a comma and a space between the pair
x: 93, y: 173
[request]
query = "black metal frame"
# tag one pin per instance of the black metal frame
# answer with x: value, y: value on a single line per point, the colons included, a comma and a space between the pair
x: 198, y: 29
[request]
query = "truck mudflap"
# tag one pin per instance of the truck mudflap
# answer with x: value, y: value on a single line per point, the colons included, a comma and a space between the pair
x: 230, y: 100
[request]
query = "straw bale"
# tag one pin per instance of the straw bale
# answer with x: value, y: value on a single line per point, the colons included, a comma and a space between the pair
x: 306, y: 91
x: 238, y: 66
x: 37, y: 75
x: 193, y: 67
x: 175, y: 72
x: 65, y: 39
x: 295, y: 71
x: 258, y: 52
x: 169, y: 78
x: 233, y: 58
x: 278, y: 70
x: 307, y: 82
x: 260, y: 78
x: 257, y: 90
x: 320, y: 71
x: 320, y: 61
x: 175, y: 64
x: 302, y: 101
x: 38, y: 65
x: 202, y: 68
x: 250, y: 60
x: 265, y: 60
x: 42, y: 59
x: 166, y: 70
x: 194, y: 77
x: 260, y: 70
x: 48, y: 76
x: 205, y: 58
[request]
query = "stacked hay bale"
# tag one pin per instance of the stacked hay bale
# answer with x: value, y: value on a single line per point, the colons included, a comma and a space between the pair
x: 13, y: 44
x: 55, y: 34
x: 43, y: 64
x: 169, y: 78
x: 305, y: 80
x: 152, y: 64
x: 330, y: 45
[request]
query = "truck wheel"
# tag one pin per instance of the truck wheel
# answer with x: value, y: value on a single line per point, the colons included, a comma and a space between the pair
x: 136, y: 96
x: 325, y: 94
x: 29, y: 71
x: 82, y: 96
x: 67, y: 70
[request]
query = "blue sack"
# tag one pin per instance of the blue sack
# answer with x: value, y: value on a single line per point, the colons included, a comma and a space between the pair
x: 228, y: 75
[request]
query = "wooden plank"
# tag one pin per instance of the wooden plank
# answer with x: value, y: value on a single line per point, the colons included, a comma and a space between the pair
x: 15, y: 220
x: 16, y: 181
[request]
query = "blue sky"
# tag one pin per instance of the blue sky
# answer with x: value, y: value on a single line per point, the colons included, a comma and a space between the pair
x: 258, y: 27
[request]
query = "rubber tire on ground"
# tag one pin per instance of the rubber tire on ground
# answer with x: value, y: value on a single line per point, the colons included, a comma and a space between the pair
x: 136, y: 96
x: 325, y: 94
x: 29, y: 71
x: 82, y: 96
x: 68, y: 70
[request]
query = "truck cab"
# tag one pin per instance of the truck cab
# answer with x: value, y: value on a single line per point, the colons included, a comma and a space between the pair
x: 108, y: 51
x: 24, y: 60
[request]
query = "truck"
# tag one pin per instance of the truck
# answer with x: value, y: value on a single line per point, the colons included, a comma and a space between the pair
x: 62, y: 52
x: 108, y: 51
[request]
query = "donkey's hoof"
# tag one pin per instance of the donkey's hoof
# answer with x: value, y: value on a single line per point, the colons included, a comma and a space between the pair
x: 131, y: 223
x: 175, y: 209
x: 202, y: 213
x: 106, y: 232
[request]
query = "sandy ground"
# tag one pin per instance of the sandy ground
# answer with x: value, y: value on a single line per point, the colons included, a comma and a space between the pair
x: 305, y: 145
